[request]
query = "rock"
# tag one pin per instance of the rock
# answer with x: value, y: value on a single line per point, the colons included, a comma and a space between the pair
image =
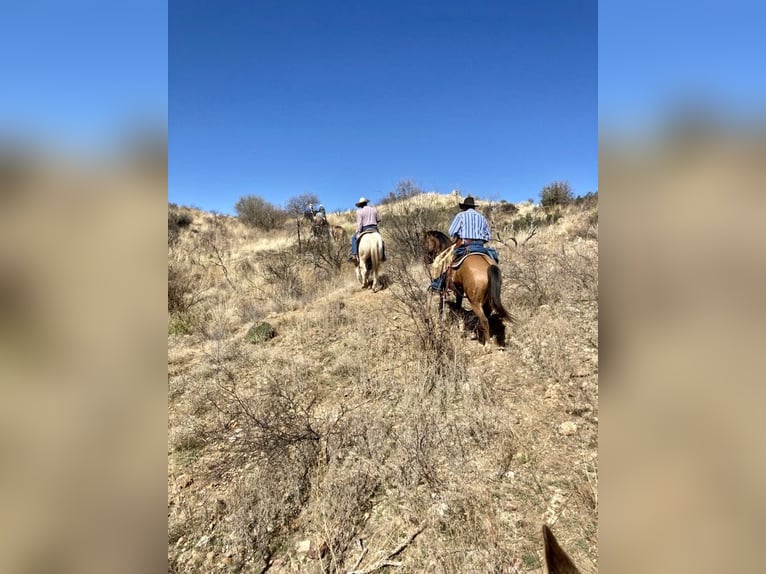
x: 303, y: 547
x: 568, y: 428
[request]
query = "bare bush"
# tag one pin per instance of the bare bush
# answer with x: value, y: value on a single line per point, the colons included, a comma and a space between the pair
x: 405, y: 189
x: 405, y: 227
x: 326, y: 255
x: 340, y: 502
x: 578, y: 264
x: 184, y: 291
x: 533, y: 275
x: 259, y: 213
x: 281, y: 272
x: 179, y: 218
x: 426, y: 326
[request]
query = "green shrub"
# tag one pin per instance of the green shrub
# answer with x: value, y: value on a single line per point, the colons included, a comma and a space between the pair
x: 181, y: 323
x: 505, y: 207
x: 587, y: 201
x: 527, y: 221
x: 558, y: 193
x: 553, y: 216
x: 260, y: 332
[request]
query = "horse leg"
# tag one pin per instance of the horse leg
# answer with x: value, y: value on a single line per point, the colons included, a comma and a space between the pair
x: 483, y: 323
x: 360, y: 273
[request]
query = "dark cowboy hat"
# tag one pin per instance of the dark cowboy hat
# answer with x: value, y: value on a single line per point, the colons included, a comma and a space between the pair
x: 469, y: 203
x: 362, y: 201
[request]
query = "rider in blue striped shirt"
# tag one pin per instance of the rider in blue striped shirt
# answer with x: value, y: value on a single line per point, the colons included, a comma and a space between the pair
x: 468, y: 227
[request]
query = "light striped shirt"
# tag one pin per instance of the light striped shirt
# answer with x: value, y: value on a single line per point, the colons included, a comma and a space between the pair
x: 470, y: 224
x: 367, y: 215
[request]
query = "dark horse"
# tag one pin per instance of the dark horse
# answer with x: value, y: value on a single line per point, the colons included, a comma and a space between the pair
x: 479, y: 279
x: 434, y: 242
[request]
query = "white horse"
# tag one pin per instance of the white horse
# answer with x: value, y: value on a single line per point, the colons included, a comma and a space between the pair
x: 370, y: 259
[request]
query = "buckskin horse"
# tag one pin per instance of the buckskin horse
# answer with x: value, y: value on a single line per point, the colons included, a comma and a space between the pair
x: 478, y: 278
x: 556, y: 560
x: 434, y: 242
x: 339, y: 234
x: 370, y: 259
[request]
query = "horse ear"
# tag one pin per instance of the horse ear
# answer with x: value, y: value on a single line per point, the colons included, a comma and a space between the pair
x: 556, y: 559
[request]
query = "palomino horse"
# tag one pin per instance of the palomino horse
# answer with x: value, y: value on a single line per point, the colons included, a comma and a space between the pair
x: 434, y: 242
x: 556, y: 559
x: 479, y: 279
x: 370, y: 259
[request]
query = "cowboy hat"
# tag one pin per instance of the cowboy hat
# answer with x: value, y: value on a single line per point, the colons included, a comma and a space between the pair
x: 362, y: 201
x: 467, y: 203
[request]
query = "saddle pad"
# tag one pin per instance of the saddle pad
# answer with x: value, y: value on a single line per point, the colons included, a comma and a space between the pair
x: 459, y: 262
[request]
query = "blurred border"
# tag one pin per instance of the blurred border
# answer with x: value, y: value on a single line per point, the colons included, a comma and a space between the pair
x: 83, y: 272
x: 681, y: 168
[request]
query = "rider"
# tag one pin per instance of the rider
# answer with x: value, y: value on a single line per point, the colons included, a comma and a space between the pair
x: 308, y: 213
x: 468, y: 228
x: 322, y: 211
x: 367, y: 217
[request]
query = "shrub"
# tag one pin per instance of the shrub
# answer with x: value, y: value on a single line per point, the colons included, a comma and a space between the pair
x: 527, y: 221
x: 404, y: 229
x: 505, y: 207
x: 326, y: 254
x: 556, y: 193
x: 553, y: 216
x: 405, y: 189
x: 181, y: 323
x: 280, y: 270
x: 261, y: 332
x: 259, y: 213
x: 183, y: 290
x: 177, y: 219
x: 587, y: 201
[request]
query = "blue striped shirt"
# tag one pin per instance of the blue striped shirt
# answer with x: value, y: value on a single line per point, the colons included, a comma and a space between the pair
x: 470, y: 224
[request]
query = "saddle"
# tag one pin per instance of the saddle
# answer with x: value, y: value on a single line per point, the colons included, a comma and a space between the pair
x: 365, y: 232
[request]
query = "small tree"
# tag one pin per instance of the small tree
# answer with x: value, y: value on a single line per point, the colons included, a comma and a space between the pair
x: 295, y: 208
x: 405, y: 189
x: 257, y: 212
x: 557, y: 193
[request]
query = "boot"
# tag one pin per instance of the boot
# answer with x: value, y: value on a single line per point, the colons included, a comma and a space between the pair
x: 438, y: 283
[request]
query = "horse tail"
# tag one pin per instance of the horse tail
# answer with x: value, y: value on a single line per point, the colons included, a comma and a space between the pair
x: 495, y: 281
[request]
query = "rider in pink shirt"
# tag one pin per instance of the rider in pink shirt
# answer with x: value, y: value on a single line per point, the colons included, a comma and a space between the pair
x: 367, y: 217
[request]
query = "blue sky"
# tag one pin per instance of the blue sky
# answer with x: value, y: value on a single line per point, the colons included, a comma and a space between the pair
x: 656, y: 59
x: 80, y: 73
x: 281, y: 97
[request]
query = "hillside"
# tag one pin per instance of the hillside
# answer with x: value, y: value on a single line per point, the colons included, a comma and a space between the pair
x: 316, y: 427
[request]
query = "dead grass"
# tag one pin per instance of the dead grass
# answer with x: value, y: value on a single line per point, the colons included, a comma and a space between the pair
x: 368, y: 427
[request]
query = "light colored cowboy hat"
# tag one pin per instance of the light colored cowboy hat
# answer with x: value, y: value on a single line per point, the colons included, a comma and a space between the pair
x: 362, y: 201
x: 468, y: 203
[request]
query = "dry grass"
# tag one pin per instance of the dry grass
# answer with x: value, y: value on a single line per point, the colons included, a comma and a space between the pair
x: 367, y: 430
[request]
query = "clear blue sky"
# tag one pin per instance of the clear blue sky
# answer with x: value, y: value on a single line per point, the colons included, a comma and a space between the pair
x: 79, y: 74
x: 281, y: 97
x: 658, y: 58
